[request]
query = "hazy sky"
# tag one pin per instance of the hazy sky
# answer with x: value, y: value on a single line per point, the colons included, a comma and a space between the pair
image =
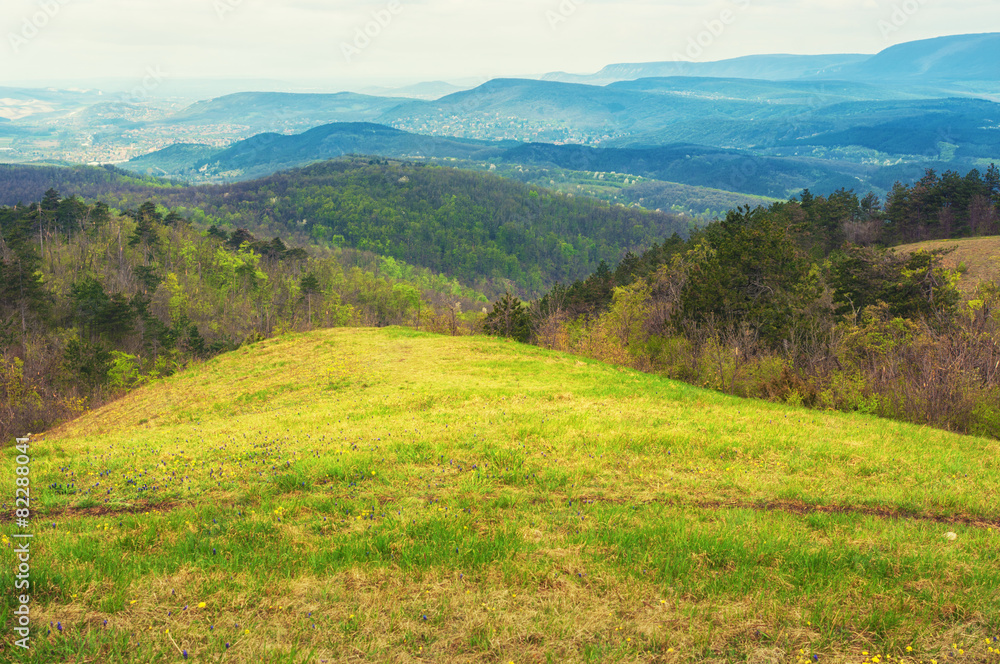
x: 414, y: 40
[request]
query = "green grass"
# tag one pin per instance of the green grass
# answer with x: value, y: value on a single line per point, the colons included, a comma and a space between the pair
x: 387, y: 495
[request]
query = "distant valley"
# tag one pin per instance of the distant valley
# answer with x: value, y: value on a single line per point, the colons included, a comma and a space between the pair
x: 769, y: 125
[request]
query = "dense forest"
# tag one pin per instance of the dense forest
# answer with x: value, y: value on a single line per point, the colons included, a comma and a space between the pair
x: 801, y: 302
x: 492, y: 234
x: 94, y: 303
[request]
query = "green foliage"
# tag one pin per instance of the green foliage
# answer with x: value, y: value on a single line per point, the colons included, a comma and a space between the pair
x: 483, y: 230
x: 22, y: 292
x: 630, y: 307
x: 124, y: 372
x: 911, y: 285
x: 750, y: 272
x: 87, y: 362
x: 944, y: 206
x: 778, y: 303
x: 309, y: 284
x: 508, y: 318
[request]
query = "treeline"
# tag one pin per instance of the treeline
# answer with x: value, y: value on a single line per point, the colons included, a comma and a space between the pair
x: 490, y: 233
x: 798, y: 303
x: 94, y: 303
x: 943, y: 206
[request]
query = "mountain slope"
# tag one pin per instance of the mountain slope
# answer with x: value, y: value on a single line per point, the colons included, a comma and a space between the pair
x: 967, y: 129
x: 176, y: 159
x: 671, y: 110
x: 951, y: 58
x: 730, y: 170
x: 813, y: 93
x: 977, y: 259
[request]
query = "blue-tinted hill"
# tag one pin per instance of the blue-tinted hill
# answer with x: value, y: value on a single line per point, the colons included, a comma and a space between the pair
x: 952, y: 58
x: 268, y: 153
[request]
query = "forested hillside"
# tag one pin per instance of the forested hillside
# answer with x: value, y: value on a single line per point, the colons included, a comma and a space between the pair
x: 264, y: 154
x: 490, y: 233
x: 800, y: 302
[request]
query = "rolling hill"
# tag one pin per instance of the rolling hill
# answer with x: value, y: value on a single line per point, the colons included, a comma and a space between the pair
x: 265, y: 154
x: 695, y: 165
x: 396, y: 496
x: 775, y: 148
x: 17, y: 103
x: 764, y: 91
x: 728, y: 170
x: 764, y: 125
x: 739, y: 114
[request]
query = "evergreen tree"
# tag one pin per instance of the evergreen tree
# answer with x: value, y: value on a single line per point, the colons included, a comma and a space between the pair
x: 309, y: 287
x: 509, y: 318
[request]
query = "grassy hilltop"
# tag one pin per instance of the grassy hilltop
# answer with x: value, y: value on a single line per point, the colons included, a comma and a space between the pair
x: 393, y: 496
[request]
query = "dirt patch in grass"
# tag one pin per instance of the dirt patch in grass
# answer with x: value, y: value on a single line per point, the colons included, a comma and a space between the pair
x: 791, y: 507
x: 797, y: 507
x: 98, y: 510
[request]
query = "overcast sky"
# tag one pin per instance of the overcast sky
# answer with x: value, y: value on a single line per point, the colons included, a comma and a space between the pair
x: 419, y: 40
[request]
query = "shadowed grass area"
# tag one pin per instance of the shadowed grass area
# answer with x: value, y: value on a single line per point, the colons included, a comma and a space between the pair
x: 388, y: 495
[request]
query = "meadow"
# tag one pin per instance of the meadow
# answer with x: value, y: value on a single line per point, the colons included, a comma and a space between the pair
x: 389, y: 495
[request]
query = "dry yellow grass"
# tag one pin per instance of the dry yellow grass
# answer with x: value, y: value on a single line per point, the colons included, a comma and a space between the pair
x: 981, y: 255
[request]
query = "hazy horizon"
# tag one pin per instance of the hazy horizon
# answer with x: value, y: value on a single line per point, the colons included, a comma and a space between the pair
x: 308, y: 45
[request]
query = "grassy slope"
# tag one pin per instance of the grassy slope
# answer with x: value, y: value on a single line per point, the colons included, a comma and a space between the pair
x: 980, y: 254
x: 386, y: 495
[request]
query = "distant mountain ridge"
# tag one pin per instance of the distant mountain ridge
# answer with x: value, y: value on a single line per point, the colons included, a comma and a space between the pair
x: 954, y: 58
x: 278, y: 110
x: 760, y: 125
x: 777, y: 67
